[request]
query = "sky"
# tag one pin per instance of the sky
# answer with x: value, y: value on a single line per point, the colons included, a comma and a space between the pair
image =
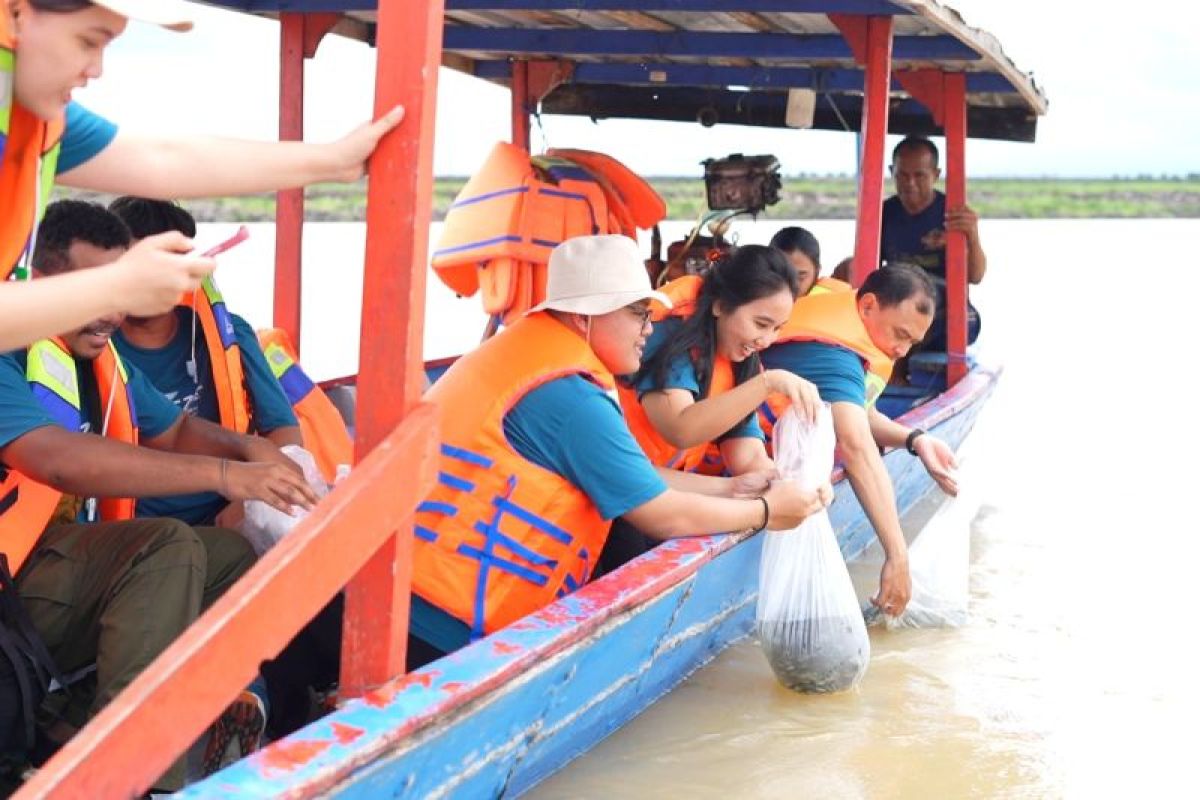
x: 1124, y: 93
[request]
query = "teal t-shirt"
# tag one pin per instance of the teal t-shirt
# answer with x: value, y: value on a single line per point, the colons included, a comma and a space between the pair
x: 20, y: 411
x: 192, y: 390
x: 84, y: 135
x: 681, y: 374
x: 838, y: 373
x: 571, y: 427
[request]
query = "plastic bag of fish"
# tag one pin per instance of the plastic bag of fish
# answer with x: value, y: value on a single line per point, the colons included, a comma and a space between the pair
x: 809, y: 622
x: 264, y: 526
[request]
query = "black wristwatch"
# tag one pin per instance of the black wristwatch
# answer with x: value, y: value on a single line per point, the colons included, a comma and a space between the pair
x: 912, y: 439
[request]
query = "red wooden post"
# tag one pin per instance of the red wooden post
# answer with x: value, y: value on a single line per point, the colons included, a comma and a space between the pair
x: 520, y: 104
x: 289, y: 204
x: 878, y: 69
x: 955, y: 125
x: 391, y: 376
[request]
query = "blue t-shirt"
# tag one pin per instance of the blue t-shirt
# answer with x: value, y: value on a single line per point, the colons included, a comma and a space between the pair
x: 167, y: 368
x: 570, y: 427
x: 20, y: 411
x: 681, y: 374
x: 84, y: 135
x: 839, y: 374
x: 902, y: 235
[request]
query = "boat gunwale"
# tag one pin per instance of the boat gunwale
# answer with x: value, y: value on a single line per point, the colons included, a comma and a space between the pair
x: 411, y: 707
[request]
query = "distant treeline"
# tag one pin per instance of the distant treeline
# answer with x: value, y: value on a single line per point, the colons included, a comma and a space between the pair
x: 802, y: 197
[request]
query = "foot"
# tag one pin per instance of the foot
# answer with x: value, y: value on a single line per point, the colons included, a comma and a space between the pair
x: 236, y: 733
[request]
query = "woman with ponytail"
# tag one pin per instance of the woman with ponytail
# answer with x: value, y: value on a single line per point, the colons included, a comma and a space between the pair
x: 701, y: 380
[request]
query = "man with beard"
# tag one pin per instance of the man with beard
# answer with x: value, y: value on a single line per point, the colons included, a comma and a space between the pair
x: 80, y: 434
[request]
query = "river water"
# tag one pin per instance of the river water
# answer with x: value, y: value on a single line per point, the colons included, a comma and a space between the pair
x: 1074, y: 676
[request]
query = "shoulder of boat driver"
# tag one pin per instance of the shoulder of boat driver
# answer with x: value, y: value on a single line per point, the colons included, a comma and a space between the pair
x: 572, y: 428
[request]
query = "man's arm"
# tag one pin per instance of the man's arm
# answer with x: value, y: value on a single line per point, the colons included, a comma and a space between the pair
x: 172, y: 168
x: 936, y: 456
x: 199, y: 437
x: 966, y: 221
x: 873, y: 487
x: 93, y: 466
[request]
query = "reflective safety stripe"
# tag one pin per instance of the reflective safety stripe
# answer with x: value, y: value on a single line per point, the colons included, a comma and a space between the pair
x: 296, y: 385
x: 55, y: 370
x: 220, y: 313
x: 62, y: 412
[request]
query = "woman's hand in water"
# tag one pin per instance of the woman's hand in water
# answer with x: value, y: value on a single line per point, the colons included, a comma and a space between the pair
x: 802, y: 394
x: 153, y: 274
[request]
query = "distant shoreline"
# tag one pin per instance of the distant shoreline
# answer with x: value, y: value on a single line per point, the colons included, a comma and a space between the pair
x: 801, y: 198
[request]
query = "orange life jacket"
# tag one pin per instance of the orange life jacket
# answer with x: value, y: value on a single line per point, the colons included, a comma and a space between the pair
x: 501, y: 227
x: 29, y: 150
x: 827, y: 285
x: 224, y: 354
x: 324, y: 432
x: 500, y: 537
x: 682, y: 292
x: 636, y: 198
x: 830, y: 317
x: 27, y: 505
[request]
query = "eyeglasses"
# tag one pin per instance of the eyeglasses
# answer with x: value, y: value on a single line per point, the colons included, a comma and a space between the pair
x: 642, y: 313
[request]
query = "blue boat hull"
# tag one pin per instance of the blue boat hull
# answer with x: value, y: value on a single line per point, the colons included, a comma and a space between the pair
x: 499, y: 716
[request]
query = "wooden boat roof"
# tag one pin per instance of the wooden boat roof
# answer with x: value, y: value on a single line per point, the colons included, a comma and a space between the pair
x: 730, y: 60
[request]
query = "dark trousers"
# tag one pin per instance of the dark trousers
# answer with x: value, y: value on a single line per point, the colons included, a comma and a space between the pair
x: 624, y: 544
x: 310, y: 661
x: 117, y: 593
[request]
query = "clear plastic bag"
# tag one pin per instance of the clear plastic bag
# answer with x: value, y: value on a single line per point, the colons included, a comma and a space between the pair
x: 810, y: 625
x: 263, y: 526
x: 939, y: 563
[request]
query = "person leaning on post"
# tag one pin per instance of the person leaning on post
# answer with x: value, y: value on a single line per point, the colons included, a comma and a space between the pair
x: 48, y: 49
x: 535, y: 450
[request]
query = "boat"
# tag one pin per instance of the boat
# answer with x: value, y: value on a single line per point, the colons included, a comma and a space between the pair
x: 497, y: 717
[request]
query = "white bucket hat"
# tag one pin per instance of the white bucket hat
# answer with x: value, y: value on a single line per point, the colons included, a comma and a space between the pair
x: 171, y: 14
x: 595, y: 275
